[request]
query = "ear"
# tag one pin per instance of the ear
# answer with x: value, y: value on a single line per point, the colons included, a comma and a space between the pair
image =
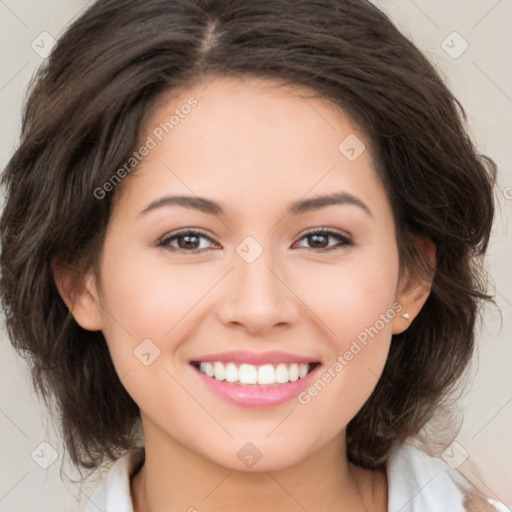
x: 79, y: 291
x: 413, y: 291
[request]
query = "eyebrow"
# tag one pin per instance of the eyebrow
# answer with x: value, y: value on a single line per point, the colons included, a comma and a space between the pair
x: 296, y: 208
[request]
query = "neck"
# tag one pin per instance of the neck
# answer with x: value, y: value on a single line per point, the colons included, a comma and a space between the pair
x: 173, y: 477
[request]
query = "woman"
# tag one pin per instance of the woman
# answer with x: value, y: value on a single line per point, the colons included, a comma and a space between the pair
x: 167, y: 263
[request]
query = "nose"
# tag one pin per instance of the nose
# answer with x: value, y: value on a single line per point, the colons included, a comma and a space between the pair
x: 257, y: 297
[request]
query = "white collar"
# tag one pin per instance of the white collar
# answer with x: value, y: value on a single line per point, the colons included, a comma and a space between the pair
x: 417, y: 483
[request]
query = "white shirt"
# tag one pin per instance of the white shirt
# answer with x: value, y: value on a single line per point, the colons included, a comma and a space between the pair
x: 417, y: 483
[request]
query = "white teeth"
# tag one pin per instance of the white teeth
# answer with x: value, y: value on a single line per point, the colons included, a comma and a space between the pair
x: 293, y: 372
x: 282, y: 374
x: 266, y: 374
x: 231, y: 372
x: 248, y: 374
x: 218, y: 371
x: 207, y: 368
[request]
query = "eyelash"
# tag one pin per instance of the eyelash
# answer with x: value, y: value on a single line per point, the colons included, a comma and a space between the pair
x: 344, y: 240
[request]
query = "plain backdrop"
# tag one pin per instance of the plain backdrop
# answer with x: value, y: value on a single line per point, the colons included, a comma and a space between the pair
x: 470, y: 43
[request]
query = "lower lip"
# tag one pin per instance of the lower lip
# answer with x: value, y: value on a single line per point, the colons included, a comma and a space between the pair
x: 257, y: 396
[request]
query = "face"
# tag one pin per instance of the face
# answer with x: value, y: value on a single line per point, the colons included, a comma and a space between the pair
x: 265, y: 277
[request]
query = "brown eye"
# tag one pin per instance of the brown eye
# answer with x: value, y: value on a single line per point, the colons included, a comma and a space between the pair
x: 185, y: 241
x: 319, y: 239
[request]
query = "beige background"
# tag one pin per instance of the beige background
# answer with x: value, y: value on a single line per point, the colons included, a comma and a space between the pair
x: 481, y: 77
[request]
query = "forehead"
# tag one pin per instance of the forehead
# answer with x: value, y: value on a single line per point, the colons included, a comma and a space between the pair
x: 254, y: 140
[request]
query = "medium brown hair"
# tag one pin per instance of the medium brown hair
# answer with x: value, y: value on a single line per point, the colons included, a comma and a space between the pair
x: 82, y: 121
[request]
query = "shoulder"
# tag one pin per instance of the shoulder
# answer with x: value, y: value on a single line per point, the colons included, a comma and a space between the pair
x: 113, y: 494
x: 418, y: 482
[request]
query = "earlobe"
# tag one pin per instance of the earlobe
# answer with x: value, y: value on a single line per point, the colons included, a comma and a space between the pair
x: 80, y: 294
x: 414, y: 290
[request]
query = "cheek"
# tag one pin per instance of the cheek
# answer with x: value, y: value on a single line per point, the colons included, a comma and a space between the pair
x: 354, y: 304
x: 149, y: 295
x: 147, y: 298
x: 356, y: 310
x: 350, y: 296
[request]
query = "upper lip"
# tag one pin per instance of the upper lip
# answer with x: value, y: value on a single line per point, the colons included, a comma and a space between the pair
x: 254, y: 358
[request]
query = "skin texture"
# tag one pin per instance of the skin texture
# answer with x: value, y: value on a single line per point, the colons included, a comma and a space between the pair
x: 254, y: 149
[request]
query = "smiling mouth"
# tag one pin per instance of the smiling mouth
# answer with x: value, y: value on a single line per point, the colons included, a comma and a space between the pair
x: 254, y: 375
